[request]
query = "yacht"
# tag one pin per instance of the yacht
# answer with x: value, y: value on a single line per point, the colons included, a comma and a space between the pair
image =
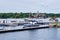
x: 35, y: 23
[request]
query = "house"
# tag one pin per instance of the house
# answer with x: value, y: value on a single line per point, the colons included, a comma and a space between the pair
x: 37, y: 15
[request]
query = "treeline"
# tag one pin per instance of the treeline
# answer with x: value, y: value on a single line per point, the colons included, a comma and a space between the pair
x: 24, y: 15
x: 52, y: 14
x: 13, y: 15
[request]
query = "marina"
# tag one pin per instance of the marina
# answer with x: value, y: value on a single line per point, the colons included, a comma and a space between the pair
x: 23, y: 24
x: 26, y: 23
x: 30, y: 29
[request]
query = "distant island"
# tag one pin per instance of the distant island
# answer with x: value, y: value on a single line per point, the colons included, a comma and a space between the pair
x: 25, y: 15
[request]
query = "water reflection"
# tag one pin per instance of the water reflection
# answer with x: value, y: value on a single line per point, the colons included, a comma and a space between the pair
x: 58, y: 34
x: 40, y: 34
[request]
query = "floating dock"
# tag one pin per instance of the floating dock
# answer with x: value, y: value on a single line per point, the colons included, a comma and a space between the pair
x: 19, y: 28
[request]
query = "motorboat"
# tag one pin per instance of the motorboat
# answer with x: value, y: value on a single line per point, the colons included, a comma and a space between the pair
x: 30, y: 25
x: 35, y: 23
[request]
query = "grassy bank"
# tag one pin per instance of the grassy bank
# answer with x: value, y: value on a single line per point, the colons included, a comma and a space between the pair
x: 57, y: 24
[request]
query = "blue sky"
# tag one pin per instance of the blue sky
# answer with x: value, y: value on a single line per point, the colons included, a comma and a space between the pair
x: 48, y: 6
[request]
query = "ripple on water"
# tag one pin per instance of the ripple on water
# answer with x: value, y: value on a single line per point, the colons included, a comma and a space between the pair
x: 39, y: 34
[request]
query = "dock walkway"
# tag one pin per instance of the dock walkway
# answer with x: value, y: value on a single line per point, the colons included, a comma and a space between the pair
x: 20, y: 28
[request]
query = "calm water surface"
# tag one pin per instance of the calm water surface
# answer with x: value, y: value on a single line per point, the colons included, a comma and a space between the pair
x: 40, y: 34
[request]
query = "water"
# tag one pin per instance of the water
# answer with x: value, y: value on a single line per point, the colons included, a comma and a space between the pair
x: 39, y: 34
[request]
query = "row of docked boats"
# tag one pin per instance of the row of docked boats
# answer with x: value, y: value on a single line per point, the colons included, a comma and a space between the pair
x: 30, y: 22
x: 25, y: 22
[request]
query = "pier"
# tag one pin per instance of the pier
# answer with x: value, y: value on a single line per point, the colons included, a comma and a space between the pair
x: 20, y: 28
x: 23, y: 24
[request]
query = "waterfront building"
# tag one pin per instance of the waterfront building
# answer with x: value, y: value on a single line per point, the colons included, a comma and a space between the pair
x: 37, y: 15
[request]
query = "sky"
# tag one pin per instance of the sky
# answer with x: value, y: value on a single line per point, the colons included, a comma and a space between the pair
x: 44, y: 6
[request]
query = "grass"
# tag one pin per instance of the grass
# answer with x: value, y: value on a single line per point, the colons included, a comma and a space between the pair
x: 58, y: 24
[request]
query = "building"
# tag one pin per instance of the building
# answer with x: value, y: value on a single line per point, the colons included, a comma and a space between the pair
x: 37, y: 15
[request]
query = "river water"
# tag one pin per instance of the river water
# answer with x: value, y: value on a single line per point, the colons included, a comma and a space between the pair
x: 38, y: 34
